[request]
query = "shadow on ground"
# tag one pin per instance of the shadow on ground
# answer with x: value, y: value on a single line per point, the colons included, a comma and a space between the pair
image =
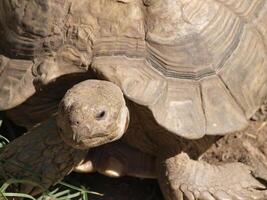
x: 126, y: 188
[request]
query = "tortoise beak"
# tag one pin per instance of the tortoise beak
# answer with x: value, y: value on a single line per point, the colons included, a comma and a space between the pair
x: 82, y: 120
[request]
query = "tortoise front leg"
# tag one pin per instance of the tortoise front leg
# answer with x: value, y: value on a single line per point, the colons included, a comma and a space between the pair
x: 248, y: 147
x: 40, y: 157
x: 182, y: 178
x: 229, y: 169
x: 118, y: 159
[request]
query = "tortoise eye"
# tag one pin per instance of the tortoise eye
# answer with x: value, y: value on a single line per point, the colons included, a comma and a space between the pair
x: 101, y: 115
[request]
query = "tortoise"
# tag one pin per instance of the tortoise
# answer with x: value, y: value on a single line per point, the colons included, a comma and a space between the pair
x: 51, y: 157
x: 190, y: 71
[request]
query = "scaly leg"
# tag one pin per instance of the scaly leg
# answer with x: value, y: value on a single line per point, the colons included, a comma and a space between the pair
x: 118, y: 159
x: 40, y: 157
x: 182, y: 178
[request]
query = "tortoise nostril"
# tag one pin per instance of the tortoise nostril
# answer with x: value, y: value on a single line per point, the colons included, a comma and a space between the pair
x: 101, y: 115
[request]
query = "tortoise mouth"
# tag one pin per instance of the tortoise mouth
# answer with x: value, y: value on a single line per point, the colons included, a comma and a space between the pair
x: 89, y: 141
x: 92, y: 113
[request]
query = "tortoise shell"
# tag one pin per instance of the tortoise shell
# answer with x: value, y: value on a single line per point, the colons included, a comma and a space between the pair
x: 39, y: 43
x: 199, y: 66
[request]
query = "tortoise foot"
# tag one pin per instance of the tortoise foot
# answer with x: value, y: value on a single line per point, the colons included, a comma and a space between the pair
x: 118, y: 159
x: 182, y: 178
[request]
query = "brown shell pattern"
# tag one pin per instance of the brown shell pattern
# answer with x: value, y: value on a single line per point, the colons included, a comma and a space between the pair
x: 38, y: 38
x: 200, y: 66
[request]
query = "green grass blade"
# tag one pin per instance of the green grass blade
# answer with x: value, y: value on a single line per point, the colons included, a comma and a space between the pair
x: 4, y: 139
x: 19, y: 195
x: 15, y: 181
x: 83, y: 189
x: 71, y: 196
x: 2, y: 197
x: 59, y: 194
x: 85, y: 196
x: 54, y: 191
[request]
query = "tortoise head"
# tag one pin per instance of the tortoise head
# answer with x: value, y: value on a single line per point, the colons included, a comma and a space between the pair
x: 92, y: 113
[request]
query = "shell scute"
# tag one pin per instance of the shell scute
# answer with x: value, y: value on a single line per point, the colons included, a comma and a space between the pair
x: 15, y: 75
x: 222, y: 112
x: 211, y: 56
x: 164, y: 54
x: 245, y: 72
x: 179, y: 110
x: 132, y: 76
x: 30, y: 27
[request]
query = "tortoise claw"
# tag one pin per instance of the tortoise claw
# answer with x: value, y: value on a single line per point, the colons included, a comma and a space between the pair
x: 198, y: 180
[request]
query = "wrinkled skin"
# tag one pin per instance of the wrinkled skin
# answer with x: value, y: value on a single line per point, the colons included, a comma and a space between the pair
x: 86, y: 121
x: 51, y: 150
